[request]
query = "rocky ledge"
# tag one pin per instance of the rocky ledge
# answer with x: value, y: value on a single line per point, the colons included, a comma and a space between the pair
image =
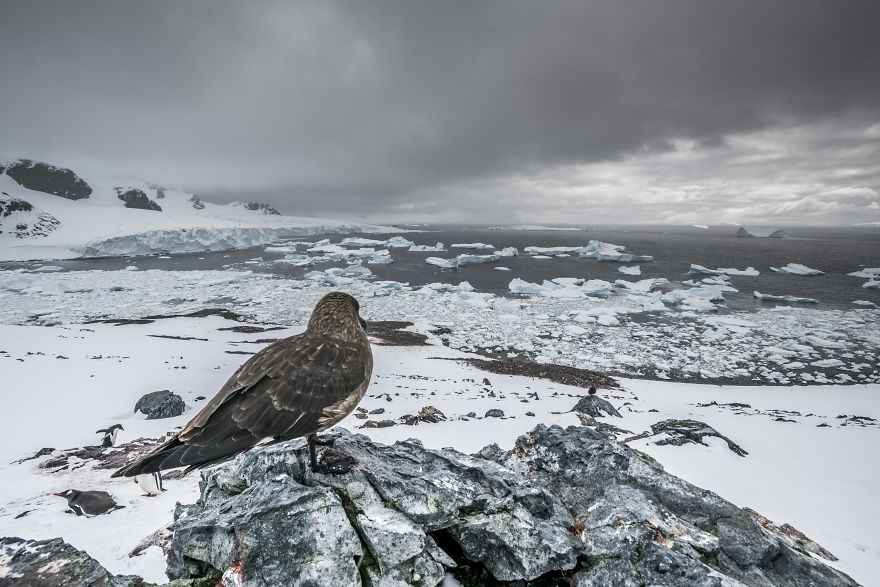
x: 564, y: 507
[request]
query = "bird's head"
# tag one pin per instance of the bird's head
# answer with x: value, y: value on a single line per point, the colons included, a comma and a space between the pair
x: 67, y: 493
x: 110, y: 429
x: 337, y: 314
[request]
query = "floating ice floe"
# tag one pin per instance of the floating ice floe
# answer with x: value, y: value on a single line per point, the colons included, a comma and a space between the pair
x: 871, y: 284
x: 471, y: 246
x: 562, y: 287
x: 361, y: 242
x: 433, y: 288
x: 299, y: 260
x: 337, y: 276
x: 551, y: 251
x: 47, y: 269
x: 797, y: 269
x: 428, y: 248
x: 698, y: 299
x: 787, y: 299
x: 643, y: 285
x: 827, y: 363
x: 867, y: 272
x: 634, y: 270
x: 702, y: 226
x: 461, y: 261
x: 508, y: 252
x: 499, y: 268
x: 398, y: 242
x: 864, y: 303
x: 700, y: 270
x: 608, y: 252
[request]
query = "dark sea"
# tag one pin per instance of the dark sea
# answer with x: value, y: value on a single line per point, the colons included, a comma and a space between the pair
x: 836, y: 251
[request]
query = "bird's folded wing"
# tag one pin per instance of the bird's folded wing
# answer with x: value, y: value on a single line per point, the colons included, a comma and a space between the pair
x: 282, y: 392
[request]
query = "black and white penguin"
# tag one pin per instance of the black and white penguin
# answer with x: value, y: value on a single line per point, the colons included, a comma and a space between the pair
x: 109, y: 434
x: 89, y: 503
x: 150, y: 483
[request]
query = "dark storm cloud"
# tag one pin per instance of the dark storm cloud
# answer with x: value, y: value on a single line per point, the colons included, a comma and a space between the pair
x: 356, y: 107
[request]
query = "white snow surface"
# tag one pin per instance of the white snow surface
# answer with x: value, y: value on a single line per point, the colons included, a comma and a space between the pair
x: 819, y: 479
x: 101, y: 225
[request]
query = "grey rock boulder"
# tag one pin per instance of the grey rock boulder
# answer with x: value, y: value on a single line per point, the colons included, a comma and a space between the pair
x: 564, y: 504
x: 595, y: 406
x: 138, y: 199
x: 49, y: 563
x: 160, y: 404
x: 42, y: 177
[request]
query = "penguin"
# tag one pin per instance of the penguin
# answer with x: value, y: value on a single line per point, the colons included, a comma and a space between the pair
x: 592, y: 390
x: 109, y: 435
x: 150, y: 483
x: 89, y: 503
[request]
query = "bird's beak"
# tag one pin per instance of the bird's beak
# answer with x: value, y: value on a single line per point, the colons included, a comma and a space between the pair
x: 59, y: 494
x: 120, y: 427
x: 363, y: 323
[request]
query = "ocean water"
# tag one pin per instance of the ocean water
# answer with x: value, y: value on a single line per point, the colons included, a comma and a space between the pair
x: 836, y: 251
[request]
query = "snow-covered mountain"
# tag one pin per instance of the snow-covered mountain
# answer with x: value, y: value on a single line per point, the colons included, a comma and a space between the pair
x: 51, y: 212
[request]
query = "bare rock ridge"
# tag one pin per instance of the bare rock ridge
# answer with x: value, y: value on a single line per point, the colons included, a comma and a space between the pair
x: 42, y: 177
x: 570, y: 504
x: 257, y: 207
x: 23, y: 220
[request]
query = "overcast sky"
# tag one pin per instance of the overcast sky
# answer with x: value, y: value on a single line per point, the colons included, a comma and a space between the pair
x: 476, y: 111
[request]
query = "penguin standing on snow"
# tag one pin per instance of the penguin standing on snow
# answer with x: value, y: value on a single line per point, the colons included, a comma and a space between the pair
x: 109, y: 435
x: 89, y: 503
x: 150, y: 483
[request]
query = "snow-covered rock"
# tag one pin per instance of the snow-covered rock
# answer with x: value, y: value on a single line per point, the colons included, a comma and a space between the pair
x: 19, y: 219
x: 257, y: 207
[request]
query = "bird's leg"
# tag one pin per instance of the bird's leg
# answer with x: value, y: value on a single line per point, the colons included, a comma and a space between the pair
x: 313, y: 460
x: 339, y: 465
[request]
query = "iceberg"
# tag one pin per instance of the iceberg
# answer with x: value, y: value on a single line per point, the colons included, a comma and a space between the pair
x: 428, y: 248
x: 743, y: 233
x: 433, y: 288
x: 797, y: 269
x: 608, y: 252
x: 867, y: 272
x: 634, y: 270
x: 871, y: 284
x: 508, y: 252
x: 562, y: 287
x: 461, y: 261
x: 398, y: 242
x: 700, y: 270
x: 778, y: 234
x: 551, y: 251
x: 786, y: 299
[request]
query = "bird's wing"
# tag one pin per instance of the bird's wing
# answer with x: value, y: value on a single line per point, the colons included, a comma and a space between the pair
x: 287, y: 390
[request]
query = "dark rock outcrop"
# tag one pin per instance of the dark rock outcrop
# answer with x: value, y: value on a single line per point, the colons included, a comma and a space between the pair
x: 197, y: 202
x: 595, y: 407
x: 257, y: 207
x: 21, y: 219
x: 42, y: 177
x: 138, y: 199
x: 47, y: 563
x: 160, y: 404
x: 572, y: 506
x: 679, y: 432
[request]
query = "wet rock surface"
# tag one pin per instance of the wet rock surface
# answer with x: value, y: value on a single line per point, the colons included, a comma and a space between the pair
x: 565, y: 506
x: 48, y: 563
x: 49, y: 179
x: 160, y: 404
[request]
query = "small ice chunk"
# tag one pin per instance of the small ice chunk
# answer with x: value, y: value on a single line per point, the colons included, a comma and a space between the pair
x: 361, y: 242
x: 508, y: 252
x: 461, y: 261
x: 501, y: 268
x: 634, y: 270
x: 867, y: 272
x: 858, y: 302
x: 828, y: 363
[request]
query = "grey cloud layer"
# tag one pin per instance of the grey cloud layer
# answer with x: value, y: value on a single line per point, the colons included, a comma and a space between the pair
x: 362, y: 107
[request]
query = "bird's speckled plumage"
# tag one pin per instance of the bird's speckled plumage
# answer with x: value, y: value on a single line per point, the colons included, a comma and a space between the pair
x: 296, y: 386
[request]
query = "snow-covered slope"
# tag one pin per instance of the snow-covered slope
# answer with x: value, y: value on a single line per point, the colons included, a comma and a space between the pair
x: 100, y: 224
